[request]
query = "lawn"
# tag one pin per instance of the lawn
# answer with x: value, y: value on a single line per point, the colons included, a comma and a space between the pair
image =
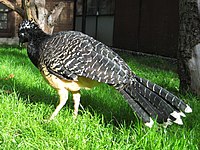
x: 106, y: 122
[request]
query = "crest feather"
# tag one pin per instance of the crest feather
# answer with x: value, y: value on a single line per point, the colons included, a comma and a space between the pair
x: 28, y: 24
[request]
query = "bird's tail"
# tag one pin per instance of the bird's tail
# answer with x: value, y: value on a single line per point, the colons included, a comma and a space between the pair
x: 149, y: 100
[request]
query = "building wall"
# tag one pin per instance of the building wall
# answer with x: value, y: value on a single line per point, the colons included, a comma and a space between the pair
x: 126, y: 24
x: 147, y: 26
x: 144, y: 26
x: 65, y: 21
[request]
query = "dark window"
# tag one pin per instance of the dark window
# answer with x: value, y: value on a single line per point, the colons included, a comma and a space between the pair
x: 79, y: 7
x: 96, y: 18
x: 6, y: 21
x: 92, y: 7
x: 96, y: 7
x: 106, y: 7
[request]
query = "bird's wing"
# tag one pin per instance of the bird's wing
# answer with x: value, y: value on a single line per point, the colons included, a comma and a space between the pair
x: 71, y: 54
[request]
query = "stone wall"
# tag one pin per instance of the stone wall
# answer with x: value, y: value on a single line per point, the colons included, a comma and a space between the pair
x: 9, y: 41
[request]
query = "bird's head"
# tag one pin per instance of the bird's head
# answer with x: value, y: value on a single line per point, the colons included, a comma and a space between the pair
x: 26, y: 30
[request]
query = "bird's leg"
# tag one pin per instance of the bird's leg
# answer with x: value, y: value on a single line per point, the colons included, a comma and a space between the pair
x: 63, y: 94
x: 76, y: 98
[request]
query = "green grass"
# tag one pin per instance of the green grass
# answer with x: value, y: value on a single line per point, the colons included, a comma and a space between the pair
x: 106, y: 122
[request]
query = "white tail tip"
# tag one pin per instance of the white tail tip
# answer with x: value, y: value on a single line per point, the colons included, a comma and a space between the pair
x: 167, y: 123
x: 150, y: 123
x: 177, y: 115
x: 188, y: 109
x: 182, y: 114
x: 178, y: 121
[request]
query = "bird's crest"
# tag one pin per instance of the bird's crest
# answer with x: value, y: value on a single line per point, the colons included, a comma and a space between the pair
x: 28, y: 24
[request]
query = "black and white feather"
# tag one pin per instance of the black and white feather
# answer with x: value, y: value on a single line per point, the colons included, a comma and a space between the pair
x: 72, y: 54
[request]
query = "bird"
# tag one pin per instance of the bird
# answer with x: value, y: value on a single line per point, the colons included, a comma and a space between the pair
x: 71, y: 60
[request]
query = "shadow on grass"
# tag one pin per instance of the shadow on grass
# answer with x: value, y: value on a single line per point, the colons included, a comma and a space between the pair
x: 90, y: 102
x: 116, y: 112
x: 30, y: 93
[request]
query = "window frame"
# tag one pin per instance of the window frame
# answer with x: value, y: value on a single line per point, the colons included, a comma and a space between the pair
x: 81, y: 5
x: 10, y: 30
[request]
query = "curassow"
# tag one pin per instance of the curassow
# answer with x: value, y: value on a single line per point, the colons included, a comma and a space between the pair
x: 71, y: 60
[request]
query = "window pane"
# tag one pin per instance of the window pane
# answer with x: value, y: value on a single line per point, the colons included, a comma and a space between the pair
x: 106, y: 7
x: 3, y: 16
x: 3, y: 8
x: 94, y: 7
x: 91, y: 7
x: 79, y: 7
x: 3, y: 25
x: 3, y: 20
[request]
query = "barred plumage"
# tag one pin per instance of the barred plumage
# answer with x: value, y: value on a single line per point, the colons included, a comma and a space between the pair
x: 72, y: 60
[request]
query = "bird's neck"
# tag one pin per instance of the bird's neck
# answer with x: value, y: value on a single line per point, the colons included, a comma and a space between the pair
x: 34, y: 45
x: 37, y: 36
x: 33, y: 53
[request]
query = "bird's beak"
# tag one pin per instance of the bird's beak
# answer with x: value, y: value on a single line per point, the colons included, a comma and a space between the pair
x: 20, y: 43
